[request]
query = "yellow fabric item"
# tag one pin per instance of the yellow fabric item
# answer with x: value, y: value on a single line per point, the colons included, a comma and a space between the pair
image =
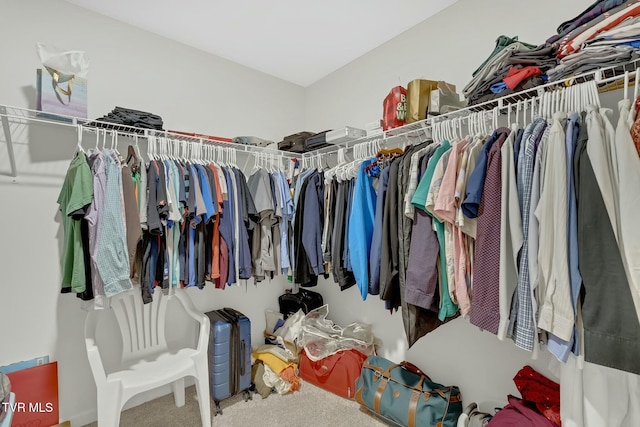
x: 276, y: 364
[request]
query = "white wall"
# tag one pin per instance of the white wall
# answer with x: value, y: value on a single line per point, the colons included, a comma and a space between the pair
x: 191, y: 90
x: 449, y: 46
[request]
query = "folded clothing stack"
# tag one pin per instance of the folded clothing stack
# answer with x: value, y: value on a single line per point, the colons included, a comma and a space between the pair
x: 592, y: 59
x: 512, y: 66
x: 129, y: 117
x: 605, y: 34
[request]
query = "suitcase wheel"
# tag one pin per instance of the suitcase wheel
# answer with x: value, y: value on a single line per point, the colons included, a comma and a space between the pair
x: 247, y: 396
x: 218, y: 410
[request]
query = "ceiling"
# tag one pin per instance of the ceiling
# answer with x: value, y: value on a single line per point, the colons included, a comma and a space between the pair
x: 300, y: 41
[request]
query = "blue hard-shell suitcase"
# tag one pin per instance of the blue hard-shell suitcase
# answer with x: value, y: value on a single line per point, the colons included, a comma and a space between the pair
x: 229, y: 355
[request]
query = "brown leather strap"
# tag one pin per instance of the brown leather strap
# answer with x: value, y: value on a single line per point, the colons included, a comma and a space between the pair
x: 378, y: 396
x: 413, y: 405
x: 413, y: 408
x: 390, y: 368
x: 358, y: 397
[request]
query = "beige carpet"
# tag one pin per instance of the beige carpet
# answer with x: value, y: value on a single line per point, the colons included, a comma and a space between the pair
x: 309, y: 407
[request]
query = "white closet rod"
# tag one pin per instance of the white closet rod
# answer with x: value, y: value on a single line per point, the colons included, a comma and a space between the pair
x: 11, y: 116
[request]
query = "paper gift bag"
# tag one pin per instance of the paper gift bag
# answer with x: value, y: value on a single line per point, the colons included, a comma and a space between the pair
x: 60, y: 94
x: 61, y: 85
x: 394, y: 108
x: 418, y: 92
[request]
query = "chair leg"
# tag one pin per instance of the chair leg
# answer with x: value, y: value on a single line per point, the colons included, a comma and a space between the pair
x: 202, y: 388
x: 108, y: 411
x: 178, y: 392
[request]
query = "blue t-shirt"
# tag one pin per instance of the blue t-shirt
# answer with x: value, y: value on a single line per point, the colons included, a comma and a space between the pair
x: 475, y: 185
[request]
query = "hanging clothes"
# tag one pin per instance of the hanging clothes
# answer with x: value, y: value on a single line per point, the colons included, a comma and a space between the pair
x: 611, y: 337
x: 341, y: 275
x: 361, y: 222
x: 422, y: 267
x: 485, y: 310
x: 93, y: 216
x: 628, y: 201
x: 375, y: 255
x: 511, y: 237
x: 112, y: 254
x: 522, y: 327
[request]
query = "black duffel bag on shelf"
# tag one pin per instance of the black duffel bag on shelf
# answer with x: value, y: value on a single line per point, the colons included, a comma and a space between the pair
x: 129, y: 117
x: 294, y: 143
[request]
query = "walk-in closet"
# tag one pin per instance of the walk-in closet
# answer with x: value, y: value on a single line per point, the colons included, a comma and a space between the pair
x: 320, y: 214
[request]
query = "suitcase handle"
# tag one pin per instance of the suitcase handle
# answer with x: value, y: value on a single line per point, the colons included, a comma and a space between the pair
x: 243, y: 349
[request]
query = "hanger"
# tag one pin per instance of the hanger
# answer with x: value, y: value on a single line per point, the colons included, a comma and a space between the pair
x: 549, y: 104
x: 133, y: 152
x: 97, y: 139
x: 595, y: 93
x: 104, y: 139
x: 131, y: 155
x: 113, y: 141
x: 626, y: 85
x: 533, y: 108
x: 79, y: 144
x: 150, y: 147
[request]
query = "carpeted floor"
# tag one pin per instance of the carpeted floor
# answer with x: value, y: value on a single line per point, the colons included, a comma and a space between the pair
x: 309, y: 407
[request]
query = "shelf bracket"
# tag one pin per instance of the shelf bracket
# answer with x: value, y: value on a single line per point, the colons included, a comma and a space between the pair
x: 7, y: 136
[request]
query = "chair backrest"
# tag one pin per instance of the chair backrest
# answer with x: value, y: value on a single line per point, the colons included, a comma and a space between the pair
x: 141, y: 325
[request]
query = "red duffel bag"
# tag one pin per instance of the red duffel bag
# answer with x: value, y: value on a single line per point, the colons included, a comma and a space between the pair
x: 336, y: 373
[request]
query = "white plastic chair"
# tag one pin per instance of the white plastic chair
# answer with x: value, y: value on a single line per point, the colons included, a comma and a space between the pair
x: 146, y: 361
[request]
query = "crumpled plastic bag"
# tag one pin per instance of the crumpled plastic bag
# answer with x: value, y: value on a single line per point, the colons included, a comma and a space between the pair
x: 287, y: 335
x: 321, y: 338
x: 69, y: 63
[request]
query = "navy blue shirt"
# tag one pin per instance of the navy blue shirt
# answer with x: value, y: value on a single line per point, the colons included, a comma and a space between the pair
x: 516, y: 148
x: 475, y: 185
x: 375, y: 257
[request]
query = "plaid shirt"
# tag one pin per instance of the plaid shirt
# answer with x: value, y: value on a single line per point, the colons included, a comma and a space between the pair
x: 525, y: 330
x: 112, y: 257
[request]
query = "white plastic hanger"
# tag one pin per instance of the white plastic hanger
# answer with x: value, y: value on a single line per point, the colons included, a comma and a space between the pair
x: 97, y: 139
x: 596, y: 94
x: 79, y: 144
x: 150, y: 139
x: 626, y: 85
x: 533, y: 108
